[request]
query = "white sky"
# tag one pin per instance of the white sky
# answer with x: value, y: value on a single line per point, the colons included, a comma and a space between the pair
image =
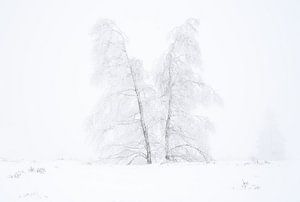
x: 249, y: 52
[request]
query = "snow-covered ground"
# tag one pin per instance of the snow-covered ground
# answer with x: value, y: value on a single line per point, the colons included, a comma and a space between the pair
x: 76, y: 181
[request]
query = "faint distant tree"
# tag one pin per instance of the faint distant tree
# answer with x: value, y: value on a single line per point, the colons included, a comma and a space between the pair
x: 270, y: 143
x: 182, y: 91
x: 119, y: 122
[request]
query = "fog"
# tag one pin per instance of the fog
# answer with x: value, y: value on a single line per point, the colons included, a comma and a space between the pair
x: 249, y: 55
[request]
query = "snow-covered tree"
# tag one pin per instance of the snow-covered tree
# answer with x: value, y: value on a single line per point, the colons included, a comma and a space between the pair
x: 182, y: 91
x: 270, y: 144
x: 119, y: 122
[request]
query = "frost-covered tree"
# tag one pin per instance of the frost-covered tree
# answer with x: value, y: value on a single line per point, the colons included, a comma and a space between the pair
x: 119, y: 122
x: 270, y: 144
x: 182, y: 91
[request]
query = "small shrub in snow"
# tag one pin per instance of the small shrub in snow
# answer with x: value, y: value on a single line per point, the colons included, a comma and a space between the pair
x: 16, y: 174
x: 41, y: 170
x: 31, y: 169
x: 247, y: 185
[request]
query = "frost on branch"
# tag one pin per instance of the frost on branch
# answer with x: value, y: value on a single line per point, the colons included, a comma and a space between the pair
x: 182, y: 90
x: 119, y: 122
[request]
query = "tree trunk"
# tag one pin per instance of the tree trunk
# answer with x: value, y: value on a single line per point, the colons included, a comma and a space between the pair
x: 167, y: 127
x: 167, y: 134
x: 142, y: 119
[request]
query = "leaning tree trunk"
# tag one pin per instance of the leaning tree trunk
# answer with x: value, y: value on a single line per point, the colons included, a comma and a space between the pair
x: 142, y: 119
x: 167, y: 132
x: 168, y: 120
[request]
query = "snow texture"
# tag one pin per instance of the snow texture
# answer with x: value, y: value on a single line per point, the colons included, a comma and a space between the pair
x: 77, y: 181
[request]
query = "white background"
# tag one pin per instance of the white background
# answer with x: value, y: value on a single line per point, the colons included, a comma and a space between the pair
x: 249, y: 55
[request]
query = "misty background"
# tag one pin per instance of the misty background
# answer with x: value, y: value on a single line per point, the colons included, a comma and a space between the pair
x: 249, y: 55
